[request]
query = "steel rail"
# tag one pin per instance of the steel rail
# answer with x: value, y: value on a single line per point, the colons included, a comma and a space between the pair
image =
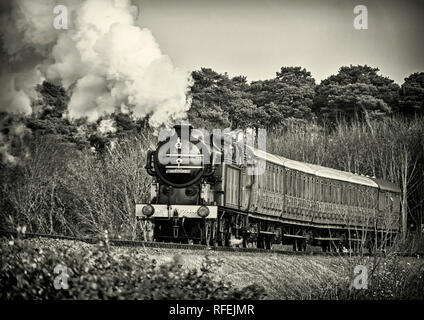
x: 171, y: 245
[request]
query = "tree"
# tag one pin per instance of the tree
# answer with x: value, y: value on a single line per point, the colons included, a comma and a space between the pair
x: 245, y: 114
x: 220, y: 102
x: 289, y: 95
x: 53, y: 100
x: 356, y: 92
x: 411, y: 100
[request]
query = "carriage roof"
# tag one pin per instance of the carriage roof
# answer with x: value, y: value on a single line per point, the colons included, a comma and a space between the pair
x: 317, y: 170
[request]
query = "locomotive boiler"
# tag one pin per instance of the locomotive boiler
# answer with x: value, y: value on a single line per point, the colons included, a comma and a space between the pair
x: 201, y: 193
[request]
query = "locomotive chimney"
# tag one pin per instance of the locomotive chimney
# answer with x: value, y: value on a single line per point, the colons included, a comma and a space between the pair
x: 185, y: 128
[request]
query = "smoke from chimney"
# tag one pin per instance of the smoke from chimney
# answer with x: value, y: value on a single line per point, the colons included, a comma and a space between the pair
x: 104, y: 59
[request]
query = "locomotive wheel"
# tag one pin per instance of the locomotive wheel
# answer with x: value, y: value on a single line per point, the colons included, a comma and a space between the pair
x: 207, y: 233
x: 214, y: 234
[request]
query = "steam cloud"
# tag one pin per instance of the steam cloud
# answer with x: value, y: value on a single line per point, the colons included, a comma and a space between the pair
x: 105, y: 60
x: 106, y: 126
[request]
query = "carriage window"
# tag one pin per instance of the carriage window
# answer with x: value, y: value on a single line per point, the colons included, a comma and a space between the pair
x: 271, y: 178
x: 296, y: 192
x: 280, y: 180
x: 298, y: 184
x: 271, y: 174
x: 343, y: 190
x: 276, y: 179
x: 347, y: 193
x: 355, y: 193
x: 319, y: 191
x: 291, y: 184
x: 307, y: 189
x: 339, y: 193
x: 334, y: 193
x: 324, y: 191
x: 268, y: 179
x: 381, y: 205
x: 396, y: 203
x: 287, y: 181
x: 308, y: 182
x: 368, y: 196
x: 265, y: 179
x: 329, y: 190
x: 338, y: 200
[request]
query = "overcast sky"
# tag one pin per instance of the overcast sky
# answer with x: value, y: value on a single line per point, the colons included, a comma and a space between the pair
x: 256, y: 38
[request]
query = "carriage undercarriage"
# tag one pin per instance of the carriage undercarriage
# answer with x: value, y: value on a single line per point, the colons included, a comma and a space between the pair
x: 238, y: 229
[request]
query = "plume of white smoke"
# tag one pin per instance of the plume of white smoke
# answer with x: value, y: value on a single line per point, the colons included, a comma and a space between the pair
x: 106, y: 126
x: 16, y: 131
x: 104, y: 58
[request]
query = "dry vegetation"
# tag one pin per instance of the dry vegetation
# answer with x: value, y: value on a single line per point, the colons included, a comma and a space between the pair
x: 103, y: 272
x: 311, y: 277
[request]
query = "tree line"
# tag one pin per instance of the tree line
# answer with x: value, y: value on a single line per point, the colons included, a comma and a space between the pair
x: 355, y: 92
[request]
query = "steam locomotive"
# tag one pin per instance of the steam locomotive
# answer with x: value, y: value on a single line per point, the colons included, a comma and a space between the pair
x: 203, y: 194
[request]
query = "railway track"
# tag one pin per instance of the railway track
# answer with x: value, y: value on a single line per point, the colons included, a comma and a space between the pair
x: 170, y: 245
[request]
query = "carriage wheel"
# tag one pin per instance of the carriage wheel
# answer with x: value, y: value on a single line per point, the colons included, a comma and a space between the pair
x: 245, y: 241
x: 268, y: 242
x: 261, y: 242
x: 295, y: 245
x: 303, y: 244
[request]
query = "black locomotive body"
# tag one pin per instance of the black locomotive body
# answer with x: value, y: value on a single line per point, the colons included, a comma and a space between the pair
x: 289, y: 202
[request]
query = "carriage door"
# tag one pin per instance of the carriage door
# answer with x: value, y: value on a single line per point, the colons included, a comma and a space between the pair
x: 232, y: 186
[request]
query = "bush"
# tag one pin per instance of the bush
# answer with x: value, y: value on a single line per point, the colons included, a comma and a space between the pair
x: 102, y: 272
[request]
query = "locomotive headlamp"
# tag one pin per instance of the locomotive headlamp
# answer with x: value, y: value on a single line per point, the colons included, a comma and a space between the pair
x: 148, y: 210
x: 203, y: 211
